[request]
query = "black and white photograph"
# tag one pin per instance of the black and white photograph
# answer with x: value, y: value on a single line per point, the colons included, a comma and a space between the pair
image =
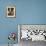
x: 29, y: 34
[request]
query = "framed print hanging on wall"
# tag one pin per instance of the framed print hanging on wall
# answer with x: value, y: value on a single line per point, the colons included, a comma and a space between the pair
x: 11, y: 11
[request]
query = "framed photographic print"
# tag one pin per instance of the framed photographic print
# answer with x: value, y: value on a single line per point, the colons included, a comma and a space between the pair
x: 11, y: 11
x: 33, y: 32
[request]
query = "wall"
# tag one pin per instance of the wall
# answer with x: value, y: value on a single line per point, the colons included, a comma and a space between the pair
x: 31, y: 11
x: 7, y: 25
x: 27, y: 12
